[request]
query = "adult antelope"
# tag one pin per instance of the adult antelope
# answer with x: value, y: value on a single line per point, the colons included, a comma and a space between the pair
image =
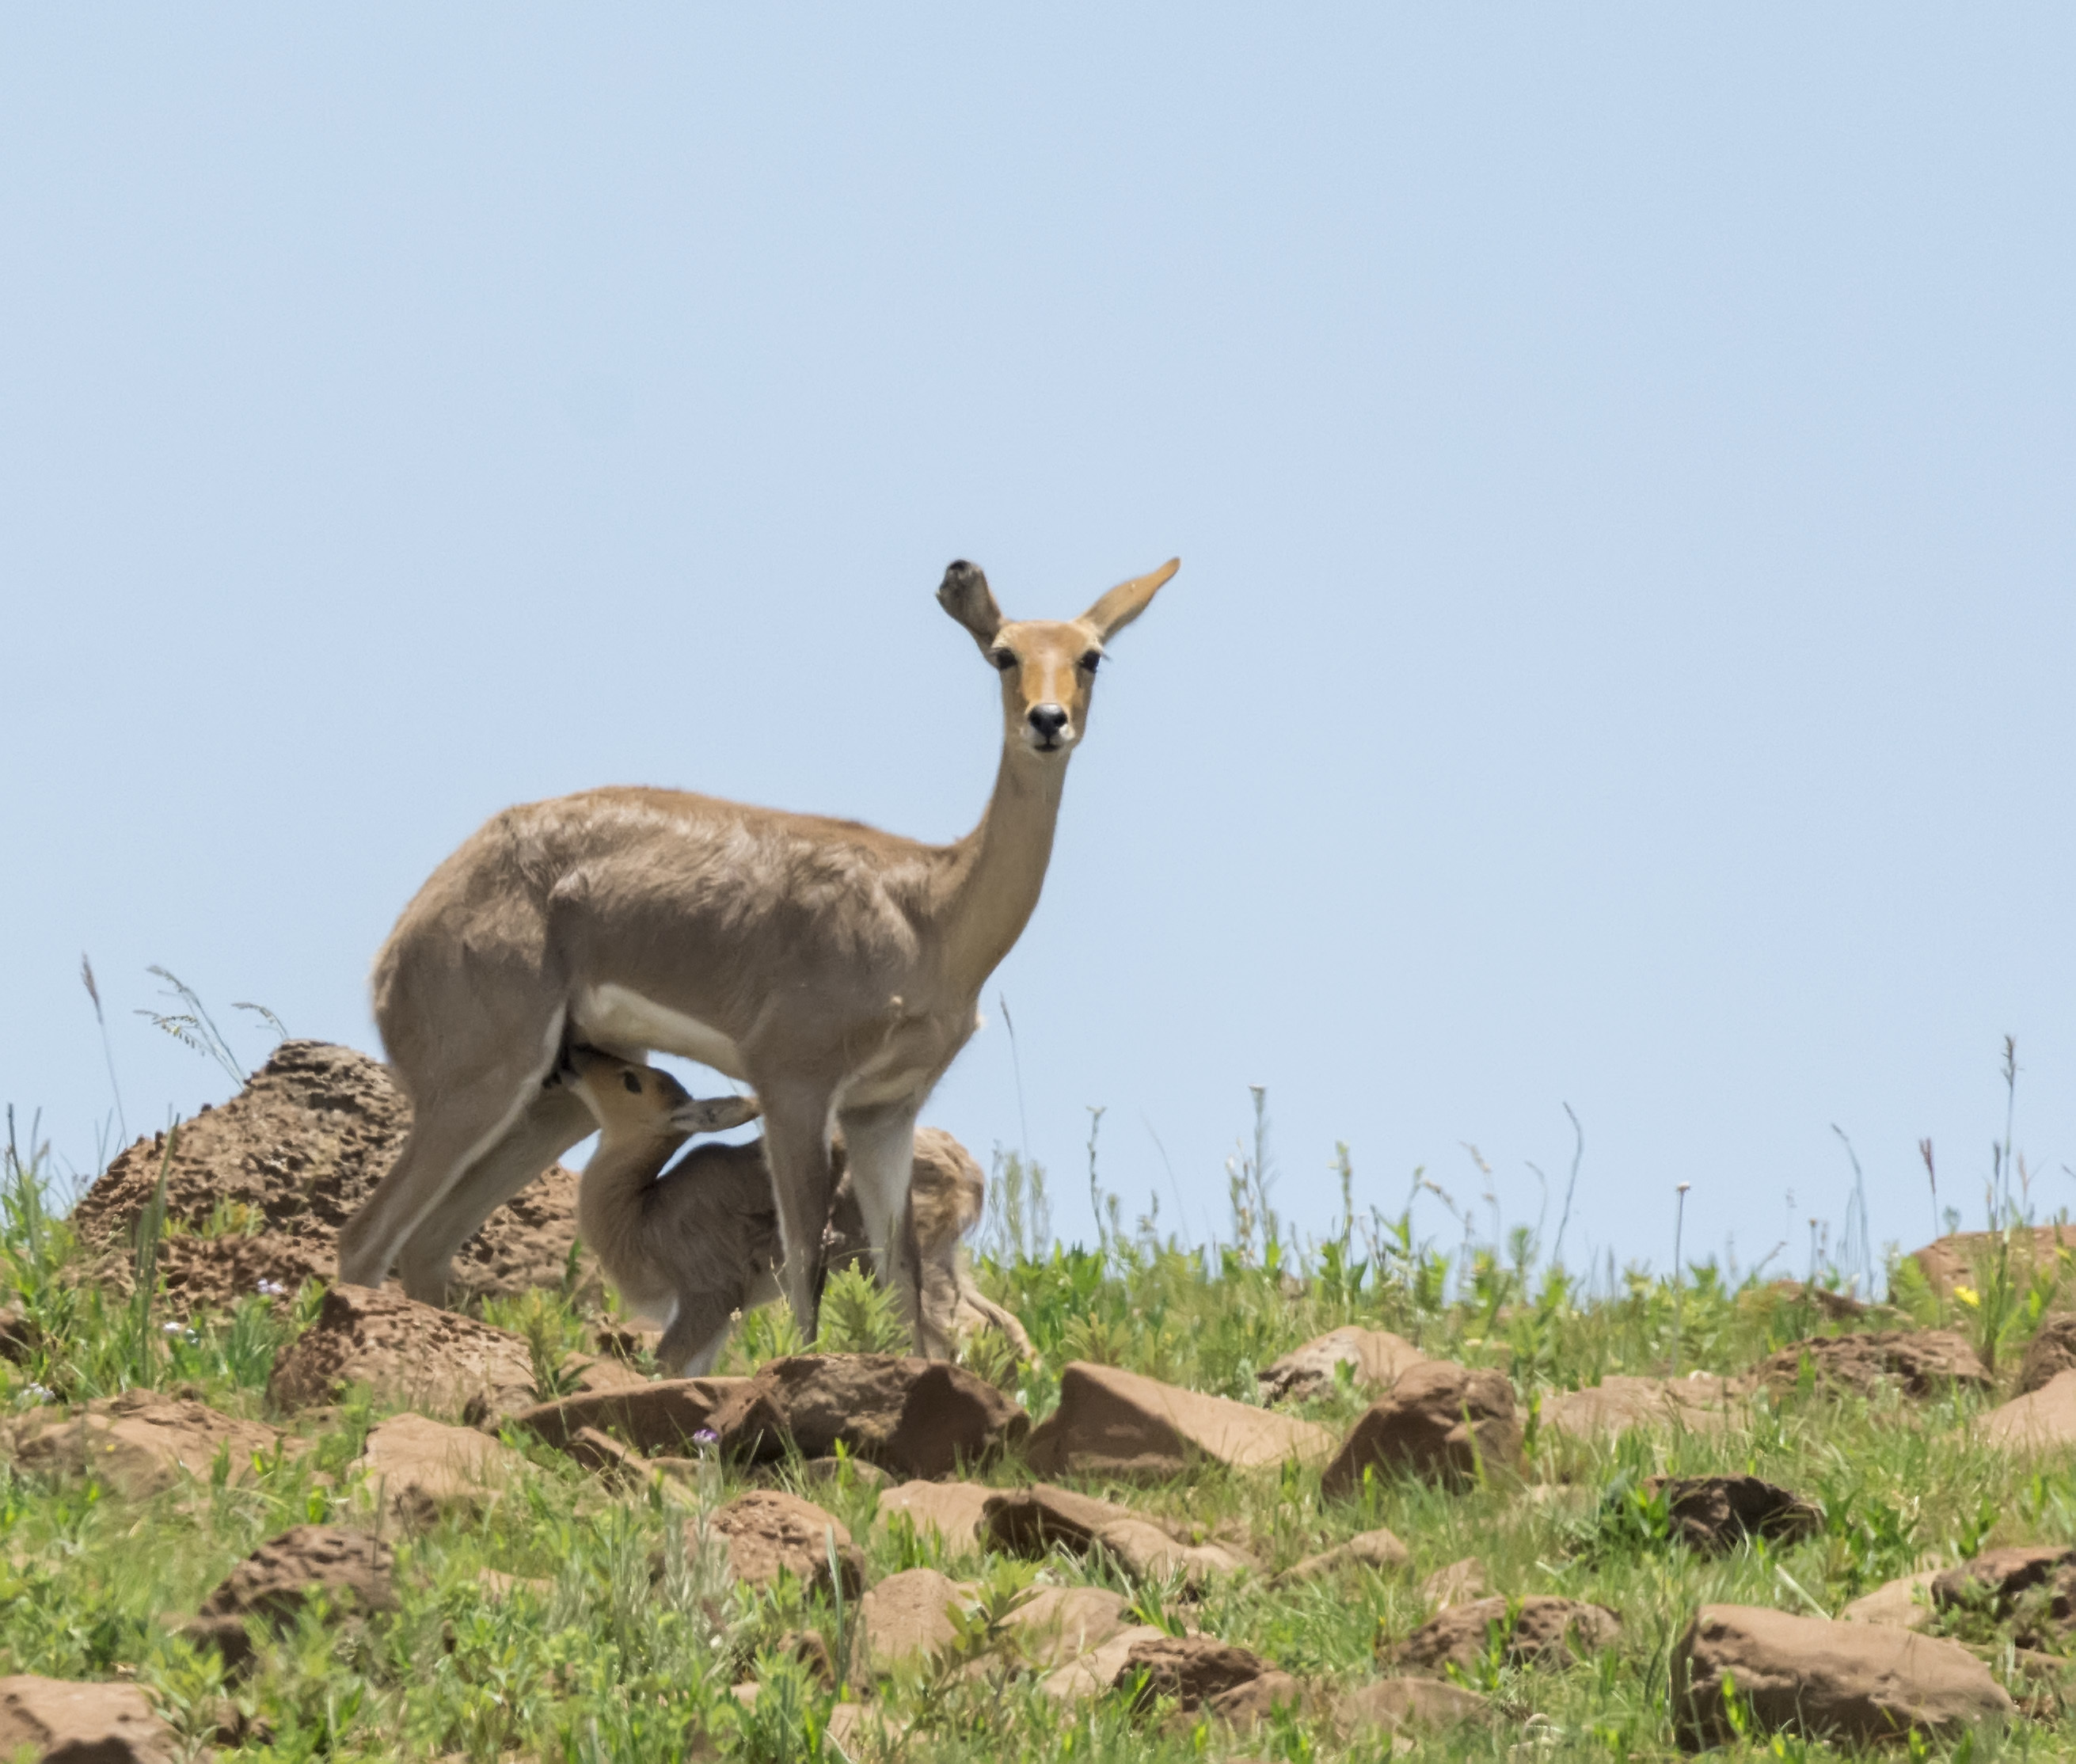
x: 835, y: 968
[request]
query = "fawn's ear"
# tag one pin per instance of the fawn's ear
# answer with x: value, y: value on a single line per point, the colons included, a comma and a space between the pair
x: 964, y: 594
x: 715, y: 1115
x: 1125, y: 602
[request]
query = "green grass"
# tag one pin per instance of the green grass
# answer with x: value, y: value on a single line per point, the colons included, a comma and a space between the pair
x: 628, y: 1646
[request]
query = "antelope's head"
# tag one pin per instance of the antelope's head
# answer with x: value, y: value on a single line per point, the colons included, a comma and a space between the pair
x: 1048, y: 666
x: 642, y: 1101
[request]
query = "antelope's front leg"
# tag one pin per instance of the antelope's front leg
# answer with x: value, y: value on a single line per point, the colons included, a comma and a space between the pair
x: 796, y: 1146
x: 880, y: 1142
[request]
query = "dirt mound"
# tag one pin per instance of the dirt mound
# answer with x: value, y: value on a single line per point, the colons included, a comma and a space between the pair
x: 298, y: 1150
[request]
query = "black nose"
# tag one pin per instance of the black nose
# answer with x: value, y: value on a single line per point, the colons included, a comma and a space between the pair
x: 1049, y: 719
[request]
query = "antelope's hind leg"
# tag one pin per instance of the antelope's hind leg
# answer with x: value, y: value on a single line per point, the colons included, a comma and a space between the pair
x: 450, y: 1134
x: 553, y: 1121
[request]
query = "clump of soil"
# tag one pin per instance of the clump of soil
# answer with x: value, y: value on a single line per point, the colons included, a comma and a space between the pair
x: 273, y: 1174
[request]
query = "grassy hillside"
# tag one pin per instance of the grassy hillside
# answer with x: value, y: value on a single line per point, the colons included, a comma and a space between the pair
x: 617, y: 1645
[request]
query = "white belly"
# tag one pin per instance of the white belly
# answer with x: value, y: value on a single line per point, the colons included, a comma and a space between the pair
x: 618, y: 1017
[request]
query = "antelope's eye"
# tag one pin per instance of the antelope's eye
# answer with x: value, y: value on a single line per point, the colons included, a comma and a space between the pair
x: 1004, y: 659
x: 1092, y: 661
x: 631, y: 1082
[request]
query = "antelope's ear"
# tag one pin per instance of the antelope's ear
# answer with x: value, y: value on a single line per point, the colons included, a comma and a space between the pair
x: 1125, y: 602
x: 715, y: 1115
x: 964, y: 594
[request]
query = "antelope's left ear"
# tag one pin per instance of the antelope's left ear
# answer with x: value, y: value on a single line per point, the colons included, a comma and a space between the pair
x: 1125, y: 602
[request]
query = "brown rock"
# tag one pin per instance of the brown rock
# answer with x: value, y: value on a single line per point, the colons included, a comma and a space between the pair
x: 301, y: 1146
x: 1255, y: 1701
x: 2043, y: 1420
x: 1715, y: 1514
x: 1030, y: 1521
x: 1377, y: 1358
x: 1924, y: 1362
x: 1853, y: 1683
x: 842, y: 1473
x: 1543, y: 1631
x: 918, y: 1417
x: 1898, y: 1604
x: 1997, y: 1579
x: 613, y: 1461
x: 1618, y: 1403
x: 812, y: 1651
x: 1442, y: 1422
x: 1057, y: 1625
x: 1097, y: 1672
x: 502, y: 1585
x: 662, y: 1418
x: 414, y: 1356
x: 56, y: 1721
x: 1461, y: 1582
x: 952, y: 1510
x: 1192, y: 1669
x: 1116, y: 1423
x: 18, y: 1341
x: 906, y: 1616
x: 352, y: 1569
x: 1379, y: 1550
x: 1396, y: 1703
x: 425, y: 1468
x: 140, y: 1443
x: 769, y: 1533
x: 2052, y: 1350
x: 1957, y: 1260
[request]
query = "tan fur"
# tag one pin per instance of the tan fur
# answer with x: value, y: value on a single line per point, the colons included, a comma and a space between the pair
x: 834, y: 968
x: 697, y: 1243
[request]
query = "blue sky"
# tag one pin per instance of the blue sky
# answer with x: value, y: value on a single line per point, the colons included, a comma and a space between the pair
x: 1621, y: 460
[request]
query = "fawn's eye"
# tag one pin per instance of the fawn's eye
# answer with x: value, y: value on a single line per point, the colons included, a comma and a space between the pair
x: 1092, y: 661
x: 631, y: 1082
x: 1004, y: 659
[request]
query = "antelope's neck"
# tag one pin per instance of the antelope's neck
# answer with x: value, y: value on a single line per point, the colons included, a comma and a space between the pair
x: 998, y: 869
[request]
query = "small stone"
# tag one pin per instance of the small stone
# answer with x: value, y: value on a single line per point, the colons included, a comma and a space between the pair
x: 1057, y: 1625
x: 1461, y: 1583
x: 140, y: 1443
x: 906, y: 1616
x: 2042, y: 1420
x: 1855, y: 1683
x: 1379, y: 1550
x: 2051, y: 1352
x: 415, y: 1356
x: 1442, y: 1422
x: 810, y: 1648
x: 950, y: 1510
x: 918, y: 1418
x: 1901, y: 1604
x: 502, y: 1585
x: 1924, y: 1363
x: 1542, y: 1631
x: 1716, y: 1514
x: 769, y: 1533
x: 57, y: 1721
x: 1030, y: 1521
x: 1115, y: 1423
x: 1377, y: 1358
x: 664, y: 1418
x: 840, y: 1473
x: 1393, y: 1703
x: 425, y: 1468
x: 1096, y: 1673
x: 1618, y: 1403
x: 1997, y: 1579
x: 1192, y: 1669
x: 1246, y: 1705
x: 616, y: 1462
x: 351, y: 1568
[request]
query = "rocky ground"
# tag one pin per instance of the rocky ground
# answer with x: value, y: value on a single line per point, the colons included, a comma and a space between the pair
x: 1294, y: 1508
